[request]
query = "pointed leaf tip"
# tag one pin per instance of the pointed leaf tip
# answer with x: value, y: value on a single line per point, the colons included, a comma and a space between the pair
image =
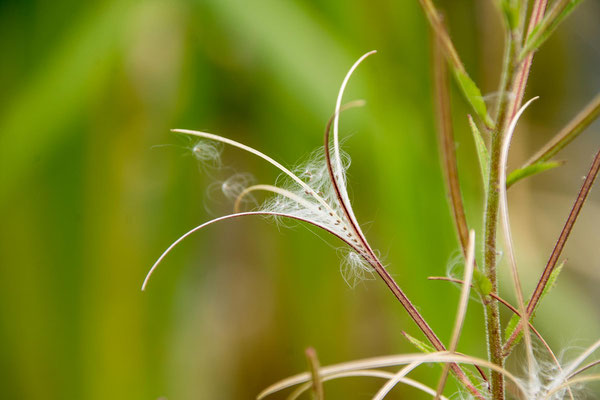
x: 473, y: 96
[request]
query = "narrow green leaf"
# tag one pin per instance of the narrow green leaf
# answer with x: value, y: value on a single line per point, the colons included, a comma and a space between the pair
x: 482, y: 152
x: 529, y: 170
x: 514, y: 320
x: 473, y: 96
x: 510, y: 328
x: 511, y: 12
x: 551, y: 283
x: 542, y: 31
x: 482, y: 283
x: 424, y: 347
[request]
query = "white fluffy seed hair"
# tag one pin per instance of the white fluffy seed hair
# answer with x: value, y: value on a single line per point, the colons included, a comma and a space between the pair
x: 207, y: 151
x: 308, y: 195
x: 233, y: 186
x: 291, y: 198
x: 313, y: 171
x: 354, y: 268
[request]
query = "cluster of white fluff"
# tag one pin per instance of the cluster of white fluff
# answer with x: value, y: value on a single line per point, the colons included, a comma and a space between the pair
x: 354, y: 268
x: 207, y: 152
x: 303, y: 203
x: 308, y: 194
x: 543, y: 384
x: 235, y: 185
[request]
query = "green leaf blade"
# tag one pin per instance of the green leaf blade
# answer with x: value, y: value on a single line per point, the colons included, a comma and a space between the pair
x: 542, y: 31
x: 473, y: 96
x: 482, y: 152
x: 482, y: 283
x: 530, y: 170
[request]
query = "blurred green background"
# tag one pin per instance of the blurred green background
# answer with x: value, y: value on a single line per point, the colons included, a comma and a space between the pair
x: 93, y: 187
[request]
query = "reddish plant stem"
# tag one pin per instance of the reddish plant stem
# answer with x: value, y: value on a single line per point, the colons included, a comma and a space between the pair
x: 559, y: 246
x: 449, y: 167
x: 369, y: 255
x: 566, y: 135
x: 522, y: 75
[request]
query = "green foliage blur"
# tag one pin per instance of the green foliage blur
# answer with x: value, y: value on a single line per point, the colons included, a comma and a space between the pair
x: 94, y: 186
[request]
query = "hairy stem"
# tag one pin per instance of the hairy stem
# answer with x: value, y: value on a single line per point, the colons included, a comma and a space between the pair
x: 514, y: 80
x: 492, y: 311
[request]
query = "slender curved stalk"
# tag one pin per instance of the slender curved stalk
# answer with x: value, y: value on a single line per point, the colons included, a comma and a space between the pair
x: 462, y: 309
x: 505, y: 223
x: 389, y: 361
x: 442, y: 34
x: 571, y: 382
x: 389, y: 385
x: 368, y: 373
x: 232, y: 216
x: 316, y: 383
x: 584, y: 368
x: 262, y: 155
x: 444, y: 122
x: 272, y: 189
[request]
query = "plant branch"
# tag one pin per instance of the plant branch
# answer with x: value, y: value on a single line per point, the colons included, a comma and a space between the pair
x: 584, y: 368
x: 568, y: 133
x: 444, y: 122
x: 510, y: 307
x: 313, y: 366
x: 522, y: 74
x: 369, y: 255
x: 435, y: 20
x: 462, y: 310
x: 559, y: 246
x: 468, y: 88
x: 542, y: 31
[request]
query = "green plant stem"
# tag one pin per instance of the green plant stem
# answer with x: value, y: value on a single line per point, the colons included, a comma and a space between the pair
x: 491, y: 307
x: 515, y: 78
x: 492, y: 312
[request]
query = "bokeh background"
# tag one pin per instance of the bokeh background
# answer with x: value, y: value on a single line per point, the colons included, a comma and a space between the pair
x: 93, y: 187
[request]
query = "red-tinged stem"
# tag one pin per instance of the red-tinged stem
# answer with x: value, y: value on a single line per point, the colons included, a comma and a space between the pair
x: 516, y: 312
x: 559, y: 246
x: 369, y: 255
